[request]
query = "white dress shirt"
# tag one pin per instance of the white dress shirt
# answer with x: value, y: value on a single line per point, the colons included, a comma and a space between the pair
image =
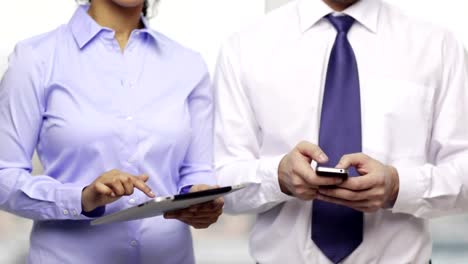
x: 269, y: 87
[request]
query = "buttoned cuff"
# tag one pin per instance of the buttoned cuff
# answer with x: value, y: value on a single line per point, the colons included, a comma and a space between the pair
x: 413, y: 185
x: 69, y: 206
x: 185, y: 189
x: 98, y: 212
x: 268, y: 172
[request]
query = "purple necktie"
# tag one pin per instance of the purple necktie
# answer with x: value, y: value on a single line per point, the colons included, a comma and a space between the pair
x: 338, y: 230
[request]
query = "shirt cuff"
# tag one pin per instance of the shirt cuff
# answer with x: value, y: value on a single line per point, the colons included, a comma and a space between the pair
x: 268, y: 172
x: 185, y: 189
x: 69, y: 204
x: 413, y: 185
x: 205, y: 177
x: 98, y: 212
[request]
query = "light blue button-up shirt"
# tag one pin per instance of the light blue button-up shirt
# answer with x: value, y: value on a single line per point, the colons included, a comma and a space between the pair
x: 89, y: 108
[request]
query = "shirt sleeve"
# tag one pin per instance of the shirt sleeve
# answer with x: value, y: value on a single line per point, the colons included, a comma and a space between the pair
x: 440, y: 187
x: 237, y: 142
x: 185, y: 189
x: 22, y: 104
x: 197, y: 167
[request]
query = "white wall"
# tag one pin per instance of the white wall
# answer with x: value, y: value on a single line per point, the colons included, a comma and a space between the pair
x: 273, y: 4
x: 200, y: 24
x: 453, y: 14
x: 204, y: 24
x: 25, y: 18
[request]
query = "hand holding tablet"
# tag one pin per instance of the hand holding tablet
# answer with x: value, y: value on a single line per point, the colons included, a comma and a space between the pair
x: 199, y: 216
x: 160, y: 205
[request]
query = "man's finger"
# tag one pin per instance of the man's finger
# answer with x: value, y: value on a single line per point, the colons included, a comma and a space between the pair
x: 345, y: 194
x: 352, y: 204
x: 359, y: 183
x: 325, y: 181
x: 312, y: 151
x: 307, y: 197
x: 307, y: 174
x: 304, y: 171
x: 350, y: 160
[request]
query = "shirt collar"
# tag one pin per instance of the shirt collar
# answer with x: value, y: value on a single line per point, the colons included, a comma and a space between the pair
x: 84, y: 28
x: 147, y: 29
x: 366, y: 12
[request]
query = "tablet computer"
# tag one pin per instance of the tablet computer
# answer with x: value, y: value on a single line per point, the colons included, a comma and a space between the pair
x: 160, y: 205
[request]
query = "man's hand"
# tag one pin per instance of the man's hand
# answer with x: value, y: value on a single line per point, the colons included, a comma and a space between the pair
x: 202, y: 215
x: 295, y: 175
x: 377, y: 187
x: 110, y: 186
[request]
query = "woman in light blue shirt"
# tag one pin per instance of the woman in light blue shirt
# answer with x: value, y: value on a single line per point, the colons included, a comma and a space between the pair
x: 111, y: 106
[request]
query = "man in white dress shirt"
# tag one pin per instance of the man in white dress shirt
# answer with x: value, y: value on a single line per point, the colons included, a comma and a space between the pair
x: 275, y: 86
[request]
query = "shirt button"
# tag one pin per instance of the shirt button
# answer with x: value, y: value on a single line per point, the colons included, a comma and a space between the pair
x: 129, y: 118
x: 65, y: 212
x: 74, y: 213
x: 134, y: 243
x: 131, y: 201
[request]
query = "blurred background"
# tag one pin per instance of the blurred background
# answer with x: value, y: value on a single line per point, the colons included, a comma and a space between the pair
x: 203, y: 25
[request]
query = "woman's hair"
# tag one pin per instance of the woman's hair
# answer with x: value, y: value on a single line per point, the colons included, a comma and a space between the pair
x: 145, y: 7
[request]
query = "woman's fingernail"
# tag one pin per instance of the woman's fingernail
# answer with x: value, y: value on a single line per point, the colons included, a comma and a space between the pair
x: 322, y: 158
x: 112, y: 194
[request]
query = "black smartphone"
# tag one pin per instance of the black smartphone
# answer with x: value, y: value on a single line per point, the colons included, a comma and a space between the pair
x: 332, y: 172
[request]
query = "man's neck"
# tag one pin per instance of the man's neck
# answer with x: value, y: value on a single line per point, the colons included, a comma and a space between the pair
x: 339, y: 6
x: 123, y: 20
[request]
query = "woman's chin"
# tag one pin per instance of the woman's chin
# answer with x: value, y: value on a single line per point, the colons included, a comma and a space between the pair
x: 129, y: 3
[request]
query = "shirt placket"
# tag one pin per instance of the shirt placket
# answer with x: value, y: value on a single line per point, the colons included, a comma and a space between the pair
x: 128, y: 129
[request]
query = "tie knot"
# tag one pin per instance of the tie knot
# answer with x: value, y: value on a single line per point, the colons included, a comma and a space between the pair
x: 342, y: 24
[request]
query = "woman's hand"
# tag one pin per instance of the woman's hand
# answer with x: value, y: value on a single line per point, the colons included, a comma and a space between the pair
x: 202, y: 215
x: 110, y: 187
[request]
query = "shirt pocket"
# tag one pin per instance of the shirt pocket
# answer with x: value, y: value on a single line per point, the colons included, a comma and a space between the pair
x: 397, y: 118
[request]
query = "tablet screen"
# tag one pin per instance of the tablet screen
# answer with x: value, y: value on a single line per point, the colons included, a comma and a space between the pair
x: 202, y: 193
